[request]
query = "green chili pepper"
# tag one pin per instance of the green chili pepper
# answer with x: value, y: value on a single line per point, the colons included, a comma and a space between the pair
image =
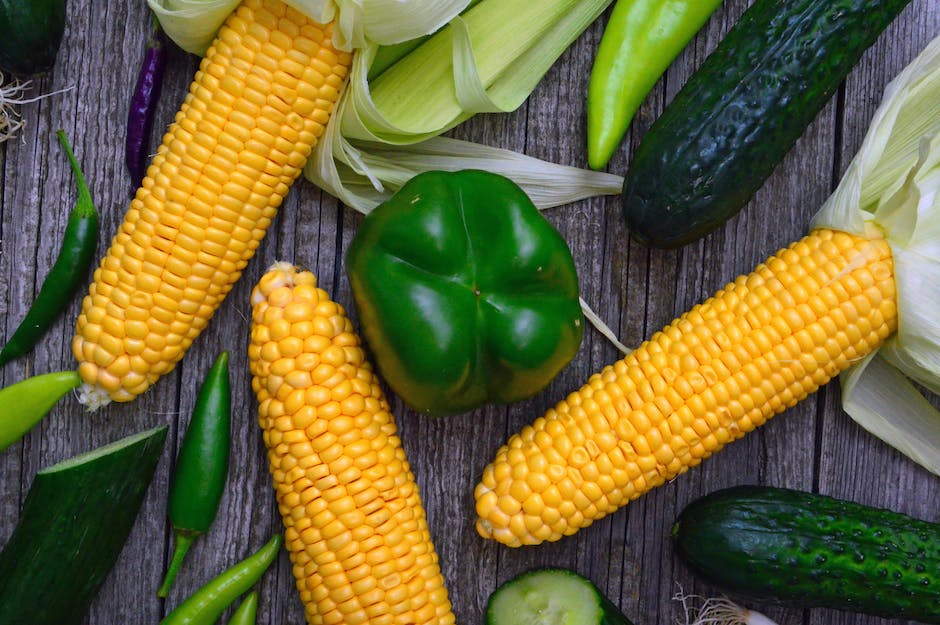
x: 67, y: 273
x: 246, y: 612
x: 641, y: 39
x: 23, y: 404
x: 206, y: 605
x: 201, y: 466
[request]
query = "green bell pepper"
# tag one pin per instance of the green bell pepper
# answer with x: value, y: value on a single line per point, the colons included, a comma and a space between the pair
x: 466, y: 294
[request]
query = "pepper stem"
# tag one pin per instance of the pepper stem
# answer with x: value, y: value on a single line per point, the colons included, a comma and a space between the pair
x: 183, y: 542
x: 84, y: 201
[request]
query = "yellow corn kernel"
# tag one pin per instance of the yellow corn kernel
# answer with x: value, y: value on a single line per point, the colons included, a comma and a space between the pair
x: 338, y: 465
x: 785, y: 347
x: 210, y: 193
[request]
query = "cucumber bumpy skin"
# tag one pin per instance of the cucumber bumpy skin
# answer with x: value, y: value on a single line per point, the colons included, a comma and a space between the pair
x: 741, y: 112
x: 802, y: 550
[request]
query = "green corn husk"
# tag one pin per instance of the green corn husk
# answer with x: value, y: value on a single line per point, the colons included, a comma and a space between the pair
x: 488, y: 59
x: 892, y: 190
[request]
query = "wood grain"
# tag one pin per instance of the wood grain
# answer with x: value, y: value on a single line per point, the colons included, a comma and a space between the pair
x: 814, y: 446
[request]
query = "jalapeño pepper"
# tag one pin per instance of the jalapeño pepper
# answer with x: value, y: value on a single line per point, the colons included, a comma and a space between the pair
x: 67, y: 273
x: 201, y: 466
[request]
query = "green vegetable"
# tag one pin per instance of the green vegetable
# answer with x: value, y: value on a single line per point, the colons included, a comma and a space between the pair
x: 804, y: 550
x: 246, y: 612
x: 551, y: 596
x: 388, y: 55
x: 68, y: 272
x: 201, y: 466
x: 32, y: 32
x: 742, y: 111
x: 465, y: 292
x: 205, y: 606
x: 76, y: 519
x: 26, y: 403
x: 641, y: 39
x: 490, y: 58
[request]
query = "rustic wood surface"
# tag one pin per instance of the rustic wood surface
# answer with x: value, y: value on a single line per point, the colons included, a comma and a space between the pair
x: 814, y: 446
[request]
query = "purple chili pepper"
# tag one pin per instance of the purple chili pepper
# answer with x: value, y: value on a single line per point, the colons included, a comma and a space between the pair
x: 143, y: 104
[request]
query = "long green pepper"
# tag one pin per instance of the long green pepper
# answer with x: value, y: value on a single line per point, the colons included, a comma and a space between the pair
x: 23, y: 404
x: 201, y: 466
x: 641, y: 39
x: 247, y: 611
x: 67, y: 273
x: 205, y: 606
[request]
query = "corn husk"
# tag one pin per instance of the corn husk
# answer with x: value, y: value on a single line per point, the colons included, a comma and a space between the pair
x: 449, y: 62
x: 443, y: 68
x: 892, y: 190
x: 192, y: 24
x: 489, y: 59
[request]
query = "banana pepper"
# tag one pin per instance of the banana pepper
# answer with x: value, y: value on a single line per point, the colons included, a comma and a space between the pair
x: 466, y: 294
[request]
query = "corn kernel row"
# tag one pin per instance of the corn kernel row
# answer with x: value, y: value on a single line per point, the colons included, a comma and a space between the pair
x: 759, y: 346
x: 260, y: 100
x: 354, y: 523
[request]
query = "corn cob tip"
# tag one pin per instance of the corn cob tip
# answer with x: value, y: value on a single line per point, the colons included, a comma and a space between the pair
x: 92, y: 397
x: 278, y: 275
x: 493, y: 524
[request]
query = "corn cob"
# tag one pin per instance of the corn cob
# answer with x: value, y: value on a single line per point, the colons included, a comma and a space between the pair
x: 354, y: 523
x: 259, y: 102
x: 757, y: 347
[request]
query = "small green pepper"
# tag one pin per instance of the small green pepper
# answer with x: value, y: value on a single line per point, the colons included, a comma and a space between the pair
x: 23, y: 404
x: 466, y: 293
x: 247, y: 611
x: 201, y: 466
x: 67, y: 273
x: 640, y: 41
x: 205, y: 606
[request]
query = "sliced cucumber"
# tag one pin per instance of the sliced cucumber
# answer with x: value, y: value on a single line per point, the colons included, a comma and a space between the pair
x: 551, y: 596
x: 75, y: 520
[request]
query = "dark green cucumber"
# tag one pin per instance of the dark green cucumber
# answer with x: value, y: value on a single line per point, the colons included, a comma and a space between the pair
x: 741, y: 112
x: 550, y: 596
x: 75, y: 520
x: 803, y: 550
x: 32, y: 32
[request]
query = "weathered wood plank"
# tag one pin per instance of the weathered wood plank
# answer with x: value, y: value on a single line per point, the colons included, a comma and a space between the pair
x: 628, y: 554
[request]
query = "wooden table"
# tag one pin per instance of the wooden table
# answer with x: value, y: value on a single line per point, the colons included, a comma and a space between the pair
x: 814, y: 446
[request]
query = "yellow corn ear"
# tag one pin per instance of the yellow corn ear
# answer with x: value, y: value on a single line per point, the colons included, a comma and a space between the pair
x: 259, y: 102
x: 759, y: 346
x: 354, y: 523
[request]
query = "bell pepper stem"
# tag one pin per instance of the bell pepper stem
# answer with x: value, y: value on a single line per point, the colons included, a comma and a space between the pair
x: 183, y: 542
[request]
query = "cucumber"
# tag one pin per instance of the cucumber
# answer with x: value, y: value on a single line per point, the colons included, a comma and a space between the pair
x: 32, y: 32
x: 76, y: 519
x: 741, y: 112
x: 550, y: 596
x: 802, y: 550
